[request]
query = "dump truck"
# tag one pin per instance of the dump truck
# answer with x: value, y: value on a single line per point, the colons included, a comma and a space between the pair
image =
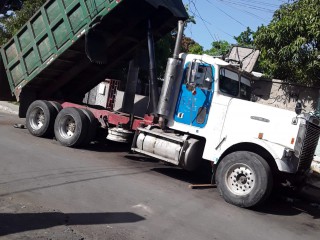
x: 203, y: 112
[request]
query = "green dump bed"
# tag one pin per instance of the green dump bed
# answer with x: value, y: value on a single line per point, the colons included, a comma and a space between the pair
x: 49, y: 55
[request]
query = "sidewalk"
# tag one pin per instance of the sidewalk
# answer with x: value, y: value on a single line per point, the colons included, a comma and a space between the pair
x: 316, y: 164
x: 9, y: 107
x: 311, y: 191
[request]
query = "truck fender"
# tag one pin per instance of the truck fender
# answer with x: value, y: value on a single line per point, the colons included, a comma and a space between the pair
x: 271, y: 152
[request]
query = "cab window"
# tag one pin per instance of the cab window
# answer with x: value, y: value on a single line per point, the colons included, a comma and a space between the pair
x: 245, y: 88
x: 229, y: 82
x: 200, y: 76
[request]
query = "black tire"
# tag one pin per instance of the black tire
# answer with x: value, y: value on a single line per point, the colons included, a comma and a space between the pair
x: 71, y: 127
x: 93, y: 125
x: 56, y: 105
x: 244, y: 179
x: 40, y: 118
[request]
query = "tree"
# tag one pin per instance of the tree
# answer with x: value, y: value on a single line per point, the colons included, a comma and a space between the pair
x: 245, y: 38
x: 9, y: 5
x: 219, y: 48
x: 164, y: 49
x: 196, y: 49
x: 290, y: 44
x: 11, y: 24
x: 165, y: 46
x: 191, y: 46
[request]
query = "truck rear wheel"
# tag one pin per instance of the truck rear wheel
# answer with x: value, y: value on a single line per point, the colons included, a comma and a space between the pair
x: 71, y: 127
x: 56, y: 105
x: 40, y: 118
x: 244, y: 179
x: 93, y: 124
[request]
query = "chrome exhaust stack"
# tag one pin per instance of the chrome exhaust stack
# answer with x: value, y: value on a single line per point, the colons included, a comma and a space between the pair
x: 172, y: 72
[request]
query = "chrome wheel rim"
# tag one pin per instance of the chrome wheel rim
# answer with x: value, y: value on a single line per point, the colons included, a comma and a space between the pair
x: 240, y: 179
x: 37, y: 119
x: 67, y: 127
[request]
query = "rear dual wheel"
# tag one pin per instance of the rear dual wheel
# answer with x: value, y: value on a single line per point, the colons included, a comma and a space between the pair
x: 93, y: 125
x: 40, y: 117
x: 74, y: 127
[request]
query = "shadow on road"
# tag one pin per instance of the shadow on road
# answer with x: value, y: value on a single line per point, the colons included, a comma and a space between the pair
x: 140, y: 158
x: 107, y: 146
x: 201, y: 176
x: 20, y: 222
x: 281, y: 203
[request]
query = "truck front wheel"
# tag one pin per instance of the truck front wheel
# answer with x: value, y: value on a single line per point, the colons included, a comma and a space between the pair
x: 244, y: 179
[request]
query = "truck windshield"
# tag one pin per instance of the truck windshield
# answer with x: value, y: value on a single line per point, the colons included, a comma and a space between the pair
x: 245, y: 88
x: 229, y: 82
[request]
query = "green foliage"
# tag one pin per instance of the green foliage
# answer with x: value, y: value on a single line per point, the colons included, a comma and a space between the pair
x: 196, y: 49
x: 9, y: 5
x: 165, y: 46
x: 191, y: 18
x: 163, y: 50
x: 290, y: 44
x: 10, y: 25
x: 245, y: 39
x: 219, y: 48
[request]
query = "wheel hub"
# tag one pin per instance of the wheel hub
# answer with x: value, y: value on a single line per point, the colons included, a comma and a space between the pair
x: 240, y: 179
x: 37, y: 119
x: 67, y: 127
x: 71, y: 126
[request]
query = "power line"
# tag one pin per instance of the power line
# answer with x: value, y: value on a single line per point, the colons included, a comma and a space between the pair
x: 204, y: 23
x: 251, y: 6
x: 215, y: 36
x: 227, y: 14
x: 262, y: 3
x: 244, y: 11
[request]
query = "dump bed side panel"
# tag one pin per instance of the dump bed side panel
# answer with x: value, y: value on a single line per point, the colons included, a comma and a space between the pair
x: 49, y: 53
x: 47, y: 35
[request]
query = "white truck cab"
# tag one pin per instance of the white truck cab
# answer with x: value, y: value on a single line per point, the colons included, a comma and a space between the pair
x: 207, y: 113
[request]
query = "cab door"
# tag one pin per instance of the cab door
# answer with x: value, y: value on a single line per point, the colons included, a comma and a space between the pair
x: 194, y: 101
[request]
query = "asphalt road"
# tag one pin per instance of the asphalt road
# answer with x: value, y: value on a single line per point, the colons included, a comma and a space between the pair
x: 52, y: 192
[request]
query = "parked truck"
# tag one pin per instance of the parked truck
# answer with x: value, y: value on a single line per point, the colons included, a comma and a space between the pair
x: 204, y: 110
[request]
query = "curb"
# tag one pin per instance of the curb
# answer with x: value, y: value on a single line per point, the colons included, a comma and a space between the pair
x: 315, y: 166
x: 7, y: 108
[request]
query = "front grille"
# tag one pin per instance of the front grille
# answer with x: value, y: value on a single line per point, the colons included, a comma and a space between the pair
x: 309, y: 146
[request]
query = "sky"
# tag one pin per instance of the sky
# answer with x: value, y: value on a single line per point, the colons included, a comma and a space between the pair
x: 223, y: 19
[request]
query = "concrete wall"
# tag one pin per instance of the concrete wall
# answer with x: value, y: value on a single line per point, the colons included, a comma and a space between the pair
x: 98, y: 95
x: 140, y: 103
x: 284, y: 95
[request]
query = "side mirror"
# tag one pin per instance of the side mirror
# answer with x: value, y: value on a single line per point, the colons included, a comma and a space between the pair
x: 192, y: 72
x: 298, y: 108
